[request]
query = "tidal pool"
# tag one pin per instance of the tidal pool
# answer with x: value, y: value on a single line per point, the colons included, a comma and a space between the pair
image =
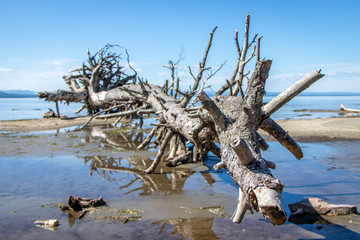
x: 187, y: 202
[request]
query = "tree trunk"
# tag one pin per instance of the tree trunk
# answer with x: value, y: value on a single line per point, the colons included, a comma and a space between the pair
x: 190, y: 132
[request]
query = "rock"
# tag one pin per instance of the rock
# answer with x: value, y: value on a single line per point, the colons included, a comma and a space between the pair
x: 50, y: 114
x: 319, y: 206
x: 79, y: 204
x: 47, y: 223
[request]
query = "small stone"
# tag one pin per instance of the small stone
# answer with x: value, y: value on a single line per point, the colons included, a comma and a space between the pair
x: 320, y: 226
x: 47, y: 223
x: 319, y: 206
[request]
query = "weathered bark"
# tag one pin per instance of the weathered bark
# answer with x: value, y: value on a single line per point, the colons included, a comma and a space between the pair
x: 63, y: 95
x: 271, y: 127
x: 248, y: 170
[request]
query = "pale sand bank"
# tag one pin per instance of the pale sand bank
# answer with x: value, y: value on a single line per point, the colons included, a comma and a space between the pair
x: 301, y: 129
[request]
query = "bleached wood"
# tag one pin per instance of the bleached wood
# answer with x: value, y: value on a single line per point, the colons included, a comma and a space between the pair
x: 291, y: 92
x: 241, y: 208
x: 342, y: 108
x: 242, y: 151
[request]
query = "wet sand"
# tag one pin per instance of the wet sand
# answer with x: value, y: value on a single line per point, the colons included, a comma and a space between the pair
x: 40, y: 169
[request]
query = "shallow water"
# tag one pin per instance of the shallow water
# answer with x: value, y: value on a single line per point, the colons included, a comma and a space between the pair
x: 34, y: 108
x: 173, y: 204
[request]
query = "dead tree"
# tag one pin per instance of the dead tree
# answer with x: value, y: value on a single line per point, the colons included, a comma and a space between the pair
x: 187, y: 134
x: 100, y: 74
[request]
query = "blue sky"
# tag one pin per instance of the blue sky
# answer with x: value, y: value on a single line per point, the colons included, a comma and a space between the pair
x: 42, y: 40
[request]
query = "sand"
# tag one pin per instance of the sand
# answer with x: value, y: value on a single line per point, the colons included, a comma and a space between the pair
x: 29, y: 125
x: 308, y: 130
x: 316, y: 130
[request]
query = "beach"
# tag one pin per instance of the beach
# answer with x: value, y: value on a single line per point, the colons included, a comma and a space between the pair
x: 308, y: 130
x: 43, y: 161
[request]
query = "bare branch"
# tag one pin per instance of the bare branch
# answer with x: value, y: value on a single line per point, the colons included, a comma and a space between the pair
x: 291, y: 92
x: 97, y: 114
x: 201, y: 71
x: 226, y: 86
x: 258, y: 49
x: 213, y: 110
x: 121, y: 114
x: 148, y: 138
x: 237, y: 44
x: 230, y: 87
x: 242, y: 62
x: 271, y: 127
x: 242, y: 206
x: 194, y: 101
x: 242, y: 151
x: 160, y: 153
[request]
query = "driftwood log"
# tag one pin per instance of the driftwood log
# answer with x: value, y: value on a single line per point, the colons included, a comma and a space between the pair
x: 224, y: 124
x: 342, y: 108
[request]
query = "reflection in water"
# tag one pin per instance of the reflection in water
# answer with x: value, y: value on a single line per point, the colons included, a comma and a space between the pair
x: 120, y: 139
x: 169, y: 182
x: 189, y: 228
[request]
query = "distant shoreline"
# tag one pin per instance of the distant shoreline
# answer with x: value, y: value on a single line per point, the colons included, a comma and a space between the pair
x: 32, y: 94
x: 17, y: 94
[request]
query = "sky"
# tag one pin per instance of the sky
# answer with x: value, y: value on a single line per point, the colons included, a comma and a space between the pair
x: 41, y: 41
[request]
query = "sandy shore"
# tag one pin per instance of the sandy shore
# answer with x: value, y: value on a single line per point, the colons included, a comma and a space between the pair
x: 309, y: 130
x: 29, y: 125
x: 331, y: 129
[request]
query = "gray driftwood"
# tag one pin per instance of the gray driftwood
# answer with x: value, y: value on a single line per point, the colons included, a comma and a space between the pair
x: 224, y: 125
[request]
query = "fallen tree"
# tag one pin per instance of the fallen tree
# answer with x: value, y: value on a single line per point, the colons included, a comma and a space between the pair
x: 224, y: 125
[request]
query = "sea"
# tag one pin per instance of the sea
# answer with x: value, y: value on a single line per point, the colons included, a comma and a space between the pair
x: 307, y: 106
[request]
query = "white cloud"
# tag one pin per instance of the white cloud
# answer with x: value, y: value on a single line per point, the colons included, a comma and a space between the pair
x: 163, y: 74
x: 339, y: 77
x: 32, y: 80
x: 344, y: 74
x: 135, y: 66
x: 183, y: 74
x: 286, y: 77
x: 6, y: 69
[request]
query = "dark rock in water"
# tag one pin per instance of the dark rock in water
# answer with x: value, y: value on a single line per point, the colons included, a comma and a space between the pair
x: 319, y: 206
x: 78, y: 204
x: 50, y: 114
x: 320, y: 226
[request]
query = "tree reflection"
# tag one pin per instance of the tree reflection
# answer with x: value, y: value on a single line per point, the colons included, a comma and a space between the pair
x: 120, y: 139
x: 189, y: 228
x: 170, y: 180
